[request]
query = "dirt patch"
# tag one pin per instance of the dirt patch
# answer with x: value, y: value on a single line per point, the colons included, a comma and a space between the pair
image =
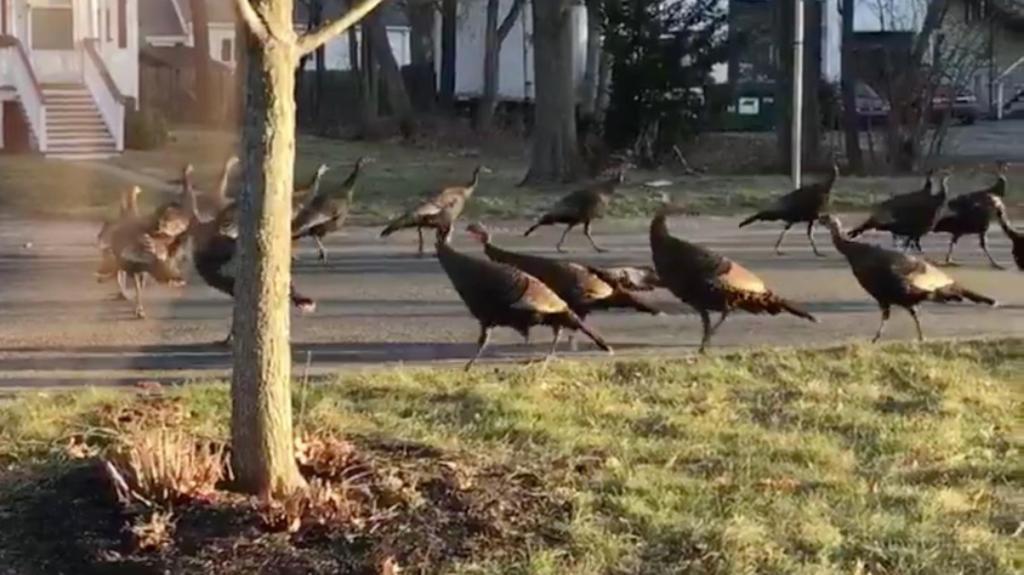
x: 372, y: 506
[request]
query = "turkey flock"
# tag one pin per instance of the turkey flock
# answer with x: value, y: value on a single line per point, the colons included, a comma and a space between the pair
x: 506, y: 288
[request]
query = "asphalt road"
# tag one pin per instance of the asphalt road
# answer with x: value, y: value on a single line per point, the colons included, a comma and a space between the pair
x: 379, y: 304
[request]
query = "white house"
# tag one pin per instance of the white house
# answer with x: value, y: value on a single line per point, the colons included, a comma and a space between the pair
x: 68, y: 69
x: 336, y: 52
x: 516, y: 77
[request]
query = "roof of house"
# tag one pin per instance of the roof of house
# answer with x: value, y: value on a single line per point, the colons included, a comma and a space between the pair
x: 158, y: 18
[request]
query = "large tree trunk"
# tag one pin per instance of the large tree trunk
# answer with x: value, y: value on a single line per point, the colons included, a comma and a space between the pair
x: 391, y: 75
x: 201, y: 43
x: 554, y: 155
x: 811, y: 123
x: 317, y: 15
x: 494, y: 37
x: 589, y: 87
x: 262, y: 443
x: 849, y: 86
x: 449, y: 23
x: 421, y: 51
x: 368, y: 82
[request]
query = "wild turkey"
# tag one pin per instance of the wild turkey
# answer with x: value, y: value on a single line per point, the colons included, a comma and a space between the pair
x: 971, y: 214
x: 909, y: 216
x: 632, y: 278
x: 897, y: 279
x: 1016, y: 237
x: 305, y: 190
x: 108, y: 268
x: 501, y: 295
x: 710, y: 282
x: 582, y: 287
x: 214, y: 251
x: 804, y: 204
x: 211, y: 204
x: 326, y: 211
x: 581, y: 206
x: 430, y: 213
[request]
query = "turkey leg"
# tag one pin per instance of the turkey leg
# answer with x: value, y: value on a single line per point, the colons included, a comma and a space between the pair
x: 782, y: 235
x: 949, y: 252
x: 705, y: 322
x: 122, y: 285
x: 886, y: 312
x: 983, y: 240
x: 586, y: 232
x: 323, y: 250
x: 718, y: 324
x: 810, y: 237
x: 420, y: 232
x: 140, y: 313
x: 917, y: 322
x: 568, y: 229
x: 557, y: 329
x: 481, y: 342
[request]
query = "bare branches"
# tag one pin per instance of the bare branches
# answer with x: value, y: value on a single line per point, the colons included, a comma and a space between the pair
x: 311, y: 41
x: 253, y: 21
x: 510, y: 20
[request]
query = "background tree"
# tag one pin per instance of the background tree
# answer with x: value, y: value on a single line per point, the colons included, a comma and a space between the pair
x: 421, y: 52
x: 811, y: 137
x: 494, y: 37
x: 204, y: 111
x: 390, y: 74
x: 554, y: 156
x: 849, y: 90
x: 262, y: 444
x: 591, y: 73
x: 449, y: 31
x: 662, y: 55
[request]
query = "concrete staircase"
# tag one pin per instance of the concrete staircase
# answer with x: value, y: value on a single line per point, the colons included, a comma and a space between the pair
x: 75, y: 130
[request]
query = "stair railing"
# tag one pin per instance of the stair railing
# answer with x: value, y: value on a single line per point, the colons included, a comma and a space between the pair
x: 30, y: 91
x: 108, y: 97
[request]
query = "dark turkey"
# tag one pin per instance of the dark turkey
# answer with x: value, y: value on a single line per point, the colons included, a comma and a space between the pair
x: 326, y: 211
x: 1015, y: 236
x: 908, y: 216
x: 501, y: 295
x: 710, y: 282
x: 897, y: 279
x: 971, y: 214
x: 804, y: 204
x: 581, y: 206
x: 214, y: 252
x: 431, y: 213
x: 582, y: 287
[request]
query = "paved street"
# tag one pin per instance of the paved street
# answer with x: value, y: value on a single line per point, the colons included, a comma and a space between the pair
x: 380, y: 304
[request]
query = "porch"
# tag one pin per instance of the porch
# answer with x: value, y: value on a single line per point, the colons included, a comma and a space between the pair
x: 68, y: 69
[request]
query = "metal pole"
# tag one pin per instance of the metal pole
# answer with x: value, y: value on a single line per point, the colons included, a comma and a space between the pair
x: 798, y: 90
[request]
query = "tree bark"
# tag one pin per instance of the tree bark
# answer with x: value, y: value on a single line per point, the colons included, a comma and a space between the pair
x: 589, y: 86
x: 391, y: 75
x: 317, y: 16
x: 262, y: 442
x: 554, y: 155
x: 421, y: 48
x: 201, y: 45
x: 494, y: 37
x: 854, y: 156
x: 449, y: 23
x: 369, y: 83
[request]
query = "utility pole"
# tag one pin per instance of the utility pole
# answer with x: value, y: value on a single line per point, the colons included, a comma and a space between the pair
x: 798, y: 91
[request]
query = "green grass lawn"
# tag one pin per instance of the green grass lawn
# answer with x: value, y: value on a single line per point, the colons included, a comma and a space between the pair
x: 901, y: 459
x: 402, y: 174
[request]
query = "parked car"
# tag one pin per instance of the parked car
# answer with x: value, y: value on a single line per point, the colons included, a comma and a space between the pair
x: 960, y: 105
x: 871, y: 108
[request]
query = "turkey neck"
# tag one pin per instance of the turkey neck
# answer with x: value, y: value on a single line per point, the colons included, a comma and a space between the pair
x: 839, y: 239
x: 225, y: 177
x: 1005, y: 224
x: 659, y: 227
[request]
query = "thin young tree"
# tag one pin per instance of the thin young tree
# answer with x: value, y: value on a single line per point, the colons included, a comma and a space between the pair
x: 262, y: 452
x: 201, y: 63
x: 494, y: 37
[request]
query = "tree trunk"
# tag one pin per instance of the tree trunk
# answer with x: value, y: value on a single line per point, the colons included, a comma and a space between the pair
x: 449, y: 23
x: 391, y: 75
x: 849, y: 87
x: 262, y: 444
x: 317, y: 16
x: 604, y: 87
x: 554, y: 155
x: 589, y: 87
x: 421, y: 51
x: 369, y: 83
x: 204, y: 112
x: 784, y: 83
x: 494, y: 38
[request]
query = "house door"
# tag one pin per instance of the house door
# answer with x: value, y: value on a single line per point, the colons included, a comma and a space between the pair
x: 51, y: 29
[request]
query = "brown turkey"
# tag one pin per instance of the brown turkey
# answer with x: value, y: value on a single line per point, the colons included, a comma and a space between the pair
x: 804, y: 204
x: 1015, y: 236
x: 582, y: 206
x: 707, y: 281
x: 501, y: 295
x: 305, y: 190
x: 897, y: 279
x: 972, y: 214
x: 583, y: 288
x: 430, y: 213
x: 108, y: 268
x: 326, y: 211
x: 908, y: 216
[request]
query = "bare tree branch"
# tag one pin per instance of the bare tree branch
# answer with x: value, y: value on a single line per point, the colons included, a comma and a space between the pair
x: 312, y: 40
x: 257, y: 26
x: 510, y: 20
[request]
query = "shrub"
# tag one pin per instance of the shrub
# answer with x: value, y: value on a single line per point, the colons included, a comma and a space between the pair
x: 145, y: 129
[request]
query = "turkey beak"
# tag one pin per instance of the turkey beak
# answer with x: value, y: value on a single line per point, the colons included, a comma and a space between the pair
x: 486, y: 170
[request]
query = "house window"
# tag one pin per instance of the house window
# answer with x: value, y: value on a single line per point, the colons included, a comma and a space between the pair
x: 122, y: 23
x: 226, y: 50
x: 52, y: 29
x: 975, y: 10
